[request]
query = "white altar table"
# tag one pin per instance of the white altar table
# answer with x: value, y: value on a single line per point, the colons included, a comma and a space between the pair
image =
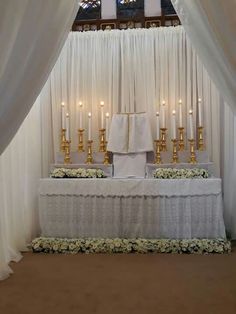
x: 131, y: 208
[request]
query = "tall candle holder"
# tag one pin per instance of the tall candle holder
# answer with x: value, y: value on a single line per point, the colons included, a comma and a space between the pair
x: 102, y: 147
x: 163, y: 139
x: 81, y: 140
x: 106, y: 156
x: 90, y: 153
x: 158, y: 152
x: 181, y: 139
x: 201, y: 145
x: 192, y: 159
x: 67, y: 153
x: 175, y: 158
x: 63, y: 140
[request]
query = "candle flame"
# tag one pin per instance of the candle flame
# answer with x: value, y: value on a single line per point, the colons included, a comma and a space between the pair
x: 163, y: 102
x: 89, y: 114
x: 190, y: 111
x: 199, y: 99
x: 180, y: 101
x: 80, y: 104
x: 67, y: 115
x: 63, y: 104
x: 173, y: 112
x: 102, y: 103
x: 107, y: 115
x: 157, y: 114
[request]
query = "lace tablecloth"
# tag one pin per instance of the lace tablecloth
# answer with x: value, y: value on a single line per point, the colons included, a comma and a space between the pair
x: 130, y: 208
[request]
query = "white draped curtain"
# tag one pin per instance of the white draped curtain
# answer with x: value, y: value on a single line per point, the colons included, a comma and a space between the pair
x: 31, y: 37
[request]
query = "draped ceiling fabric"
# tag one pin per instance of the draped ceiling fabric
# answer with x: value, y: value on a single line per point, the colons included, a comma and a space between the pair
x: 31, y: 37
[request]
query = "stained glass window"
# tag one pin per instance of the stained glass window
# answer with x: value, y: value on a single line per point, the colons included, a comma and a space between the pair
x: 130, y: 9
x: 89, y: 10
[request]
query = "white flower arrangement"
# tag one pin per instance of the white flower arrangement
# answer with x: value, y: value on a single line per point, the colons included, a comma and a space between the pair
x: 90, y: 245
x: 175, y: 173
x: 77, y: 173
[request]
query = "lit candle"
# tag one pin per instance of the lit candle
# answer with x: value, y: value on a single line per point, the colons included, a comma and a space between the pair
x: 163, y: 118
x: 191, y: 125
x: 80, y: 115
x: 173, y: 125
x: 158, y: 126
x: 107, y: 126
x: 180, y: 114
x: 102, y: 114
x: 200, y: 111
x: 89, y: 126
x: 63, y: 116
x: 67, y: 127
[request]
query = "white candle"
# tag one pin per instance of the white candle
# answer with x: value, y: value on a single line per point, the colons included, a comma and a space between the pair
x: 107, y: 126
x: 163, y: 117
x: 200, y: 112
x: 67, y: 127
x: 158, y: 126
x: 173, y: 125
x: 63, y: 116
x: 102, y: 114
x: 180, y: 114
x: 80, y: 115
x: 89, y: 126
x: 191, y: 137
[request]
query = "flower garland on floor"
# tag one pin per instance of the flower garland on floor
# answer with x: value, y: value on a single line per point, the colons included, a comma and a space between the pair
x: 77, y: 173
x: 174, y: 173
x: 90, y: 245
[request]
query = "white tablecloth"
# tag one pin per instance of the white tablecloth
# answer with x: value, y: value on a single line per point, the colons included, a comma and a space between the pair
x: 130, y: 208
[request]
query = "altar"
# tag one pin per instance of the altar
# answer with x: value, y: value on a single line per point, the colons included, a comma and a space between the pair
x: 131, y: 208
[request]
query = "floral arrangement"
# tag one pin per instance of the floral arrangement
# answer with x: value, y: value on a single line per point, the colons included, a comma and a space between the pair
x: 174, y: 173
x: 74, y: 246
x: 77, y: 173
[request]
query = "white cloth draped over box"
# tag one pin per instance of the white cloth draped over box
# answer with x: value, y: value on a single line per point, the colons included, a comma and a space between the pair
x: 130, y: 208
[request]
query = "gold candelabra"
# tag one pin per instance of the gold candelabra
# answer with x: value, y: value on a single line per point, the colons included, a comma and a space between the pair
x: 63, y: 140
x: 181, y: 139
x: 81, y: 140
x: 67, y: 153
x: 158, y: 152
x: 102, y: 147
x: 163, y: 140
x: 90, y: 153
x: 192, y: 159
x: 175, y: 158
x: 106, y: 156
x: 201, y: 145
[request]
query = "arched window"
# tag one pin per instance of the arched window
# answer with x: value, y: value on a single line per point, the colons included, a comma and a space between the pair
x: 89, y: 10
x: 130, y: 9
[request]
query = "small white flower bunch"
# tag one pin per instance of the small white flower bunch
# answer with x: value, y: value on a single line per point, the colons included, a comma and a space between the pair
x: 77, y: 173
x: 175, y: 173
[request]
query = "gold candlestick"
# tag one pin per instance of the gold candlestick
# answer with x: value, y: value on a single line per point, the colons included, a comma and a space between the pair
x: 81, y: 140
x: 192, y: 159
x: 67, y: 153
x: 106, y: 156
x: 163, y: 140
x: 102, y: 147
x: 175, y: 158
x: 158, y: 152
x: 181, y: 139
x: 63, y: 140
x: 201, y: 145
x: 90, y: 153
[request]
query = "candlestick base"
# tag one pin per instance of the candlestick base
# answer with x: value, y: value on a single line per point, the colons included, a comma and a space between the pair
x: 81, y: 140
x: 106, y: 156
x: 201, y: 145
x: 157, y: 160
x: 181, y: 139
x: 90, y: 153
x: 67, y: 153
x: 102, y: 146
x: 163, y: 140
x: 192, y: 159
x: 63, y: 140
x: 175, y: 158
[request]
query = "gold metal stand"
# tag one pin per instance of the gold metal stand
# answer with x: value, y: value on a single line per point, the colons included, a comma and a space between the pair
x: 163, y: 140
x: 158, y: 152
x: 181, y: 139
x: 106, y: 156
x: 81, y: 140
x: 67, y: 153
x: 63, y: 140
x: 175, y: 158
x: 192, y: 159
x: 90, y: 153
x: 102, y: 147
x: 201, y: 145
